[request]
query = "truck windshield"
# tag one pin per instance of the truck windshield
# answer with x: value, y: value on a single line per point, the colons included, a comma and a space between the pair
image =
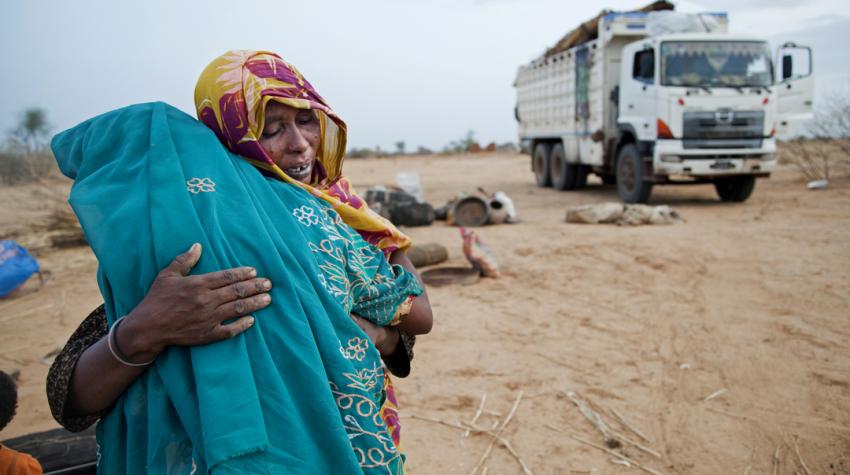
x: 716, y: 64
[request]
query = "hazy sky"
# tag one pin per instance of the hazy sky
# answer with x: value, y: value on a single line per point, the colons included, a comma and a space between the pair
x: 424, y: 72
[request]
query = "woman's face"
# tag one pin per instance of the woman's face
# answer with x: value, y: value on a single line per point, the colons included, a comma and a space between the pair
x: 291, y: 138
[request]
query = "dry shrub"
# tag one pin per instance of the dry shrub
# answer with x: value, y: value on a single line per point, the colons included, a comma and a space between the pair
x: 18, y: 168
x: 826, y: 153
x: 817, y: 159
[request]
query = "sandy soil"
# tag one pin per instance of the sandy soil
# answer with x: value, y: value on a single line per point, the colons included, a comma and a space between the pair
x: 751, y: 301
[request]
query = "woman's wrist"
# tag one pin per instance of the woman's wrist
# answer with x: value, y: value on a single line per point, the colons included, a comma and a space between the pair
x: 388, y: 341
x: 136, y: 341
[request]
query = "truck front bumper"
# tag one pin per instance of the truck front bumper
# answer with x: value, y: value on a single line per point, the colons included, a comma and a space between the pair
x: 671, y: 159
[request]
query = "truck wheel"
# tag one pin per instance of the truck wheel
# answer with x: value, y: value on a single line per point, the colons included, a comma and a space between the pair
x: 630, y: 180
x: 735, y: 188
x: 540, y: 164
x: 563, y: 173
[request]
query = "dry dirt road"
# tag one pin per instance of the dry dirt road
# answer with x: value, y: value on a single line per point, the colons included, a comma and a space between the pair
x: 748, y: 303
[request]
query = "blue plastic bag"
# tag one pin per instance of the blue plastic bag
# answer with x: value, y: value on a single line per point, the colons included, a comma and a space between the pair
x: 16, y: 266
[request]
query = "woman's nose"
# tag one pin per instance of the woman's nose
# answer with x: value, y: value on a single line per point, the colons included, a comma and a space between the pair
x: 295, y: 140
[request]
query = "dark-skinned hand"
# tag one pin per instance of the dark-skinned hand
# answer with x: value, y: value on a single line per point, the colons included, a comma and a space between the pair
x: 189, y: 310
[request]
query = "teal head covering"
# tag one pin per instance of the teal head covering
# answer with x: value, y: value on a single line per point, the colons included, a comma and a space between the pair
x: 299, y: 392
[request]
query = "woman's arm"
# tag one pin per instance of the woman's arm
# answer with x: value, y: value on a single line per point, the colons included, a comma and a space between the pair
x: 420, y: 319
x: 177, y: 310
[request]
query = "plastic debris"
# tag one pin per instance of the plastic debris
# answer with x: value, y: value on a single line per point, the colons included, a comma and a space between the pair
x: 479, y: 254
x: 16, y: 266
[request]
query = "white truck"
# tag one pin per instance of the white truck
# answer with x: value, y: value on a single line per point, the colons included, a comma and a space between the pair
x: 640, y: 105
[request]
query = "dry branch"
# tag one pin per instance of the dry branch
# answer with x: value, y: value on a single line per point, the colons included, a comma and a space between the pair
x: 618, y: 455
x: 714, y: 394
x: 800, y: 457
x: 638, y: 446
x: 776, y: 460
x: 497, y: 433
x: 453, y: 425
x: 594, y: 418
x: 477, y: 413
x: 628, y: 426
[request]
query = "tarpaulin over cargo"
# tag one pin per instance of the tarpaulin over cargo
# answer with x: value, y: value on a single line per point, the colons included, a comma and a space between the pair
x: 589, y: 30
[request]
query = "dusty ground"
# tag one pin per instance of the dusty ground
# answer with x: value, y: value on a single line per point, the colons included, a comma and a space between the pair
x: 751, y: 298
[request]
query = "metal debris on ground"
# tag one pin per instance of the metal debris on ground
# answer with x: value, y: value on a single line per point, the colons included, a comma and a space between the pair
x: 478, y: 209
x: 400, y: 207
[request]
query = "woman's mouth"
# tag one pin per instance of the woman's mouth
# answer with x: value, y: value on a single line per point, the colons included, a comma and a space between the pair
x: 300, y: 172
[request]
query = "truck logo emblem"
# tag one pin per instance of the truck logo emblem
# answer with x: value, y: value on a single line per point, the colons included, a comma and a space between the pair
x: 724, y: 116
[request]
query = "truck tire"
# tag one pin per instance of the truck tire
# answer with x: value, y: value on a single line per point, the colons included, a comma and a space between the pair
x: 631, y: 185
x: 540, y: 164
x: 563, y: 174
x: 735, y: 188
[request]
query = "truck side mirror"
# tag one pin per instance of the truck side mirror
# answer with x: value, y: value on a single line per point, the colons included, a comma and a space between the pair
x: 787, y: 66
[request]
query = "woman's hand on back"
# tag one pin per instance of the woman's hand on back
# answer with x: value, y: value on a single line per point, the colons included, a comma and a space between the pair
x: 189, y: 310
x: 385, y: 339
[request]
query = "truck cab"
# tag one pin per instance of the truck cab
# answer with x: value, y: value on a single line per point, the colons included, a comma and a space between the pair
x: 699, y: 107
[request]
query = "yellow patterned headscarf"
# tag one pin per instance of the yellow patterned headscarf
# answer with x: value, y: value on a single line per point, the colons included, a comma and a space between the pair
x: 231, y: 97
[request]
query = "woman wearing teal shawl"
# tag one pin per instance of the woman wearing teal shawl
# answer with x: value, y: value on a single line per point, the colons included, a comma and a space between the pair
x: 301, y: 392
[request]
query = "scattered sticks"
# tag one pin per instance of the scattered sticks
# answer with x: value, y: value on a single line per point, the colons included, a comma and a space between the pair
x: 593, y: 417
x: 636, y: 445
x: 776, y: 460
x: 800, y: 457
x: 477, y: 414
x: 628, y: 426
x: 507, y: 445
x: 615, y: 454
x: 447, y: 423
x: 496, y: 435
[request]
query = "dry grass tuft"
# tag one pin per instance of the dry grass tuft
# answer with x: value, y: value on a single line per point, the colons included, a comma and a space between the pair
x: 817, y: 159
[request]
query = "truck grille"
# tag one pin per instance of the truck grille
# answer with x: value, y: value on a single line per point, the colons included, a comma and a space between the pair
x: 723, y: 128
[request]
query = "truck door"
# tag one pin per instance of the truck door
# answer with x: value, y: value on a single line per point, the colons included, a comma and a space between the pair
x: 795, y: 83
x: 637, y: 92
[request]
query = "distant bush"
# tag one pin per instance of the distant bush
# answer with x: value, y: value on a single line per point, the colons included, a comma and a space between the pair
x: 827, y: 152
x: 17, y: 167
x: 26, y: 156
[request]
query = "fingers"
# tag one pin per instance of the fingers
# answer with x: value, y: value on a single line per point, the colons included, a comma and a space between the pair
x: 241, y: 290
x: 183, y: 263
x: 222, y: 278
x: 232, y: 329
x: 241, y: 307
